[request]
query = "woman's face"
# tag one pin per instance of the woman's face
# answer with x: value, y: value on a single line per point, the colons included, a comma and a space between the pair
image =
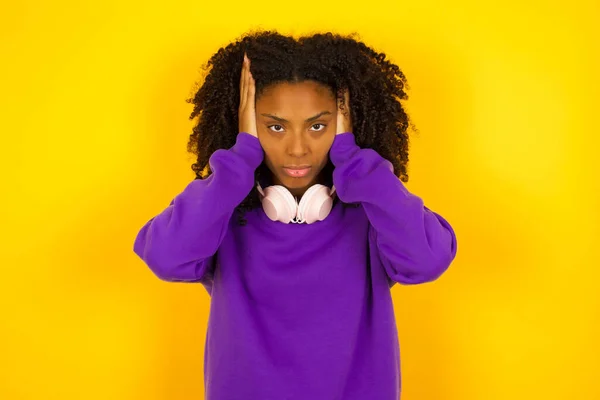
x: 296, y: 125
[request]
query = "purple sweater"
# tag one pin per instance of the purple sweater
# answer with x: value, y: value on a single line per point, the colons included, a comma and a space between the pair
x: 299, y: 311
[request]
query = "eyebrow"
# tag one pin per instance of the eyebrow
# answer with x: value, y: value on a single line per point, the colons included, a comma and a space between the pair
x: 307, y: 120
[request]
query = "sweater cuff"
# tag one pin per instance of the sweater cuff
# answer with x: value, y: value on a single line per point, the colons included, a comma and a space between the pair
x: 248, y: 147
x: 343, y: 147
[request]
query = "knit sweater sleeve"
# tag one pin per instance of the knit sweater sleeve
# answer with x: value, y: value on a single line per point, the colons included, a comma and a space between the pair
x: 179, y: 243
x: 415, y: 244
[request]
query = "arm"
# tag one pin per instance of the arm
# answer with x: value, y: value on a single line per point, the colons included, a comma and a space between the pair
x: 415, y: 244
x: 179, y: 243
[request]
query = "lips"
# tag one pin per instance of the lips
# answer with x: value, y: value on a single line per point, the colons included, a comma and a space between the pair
x: 297, y: 172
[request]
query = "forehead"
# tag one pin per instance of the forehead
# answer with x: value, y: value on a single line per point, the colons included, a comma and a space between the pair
x: 291, y: 97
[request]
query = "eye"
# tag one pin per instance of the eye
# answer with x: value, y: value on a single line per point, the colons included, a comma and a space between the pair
x: 323, y: 125
x: 271, y: 126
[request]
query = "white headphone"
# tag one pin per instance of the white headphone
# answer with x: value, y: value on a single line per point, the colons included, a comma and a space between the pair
x: 279, y: 204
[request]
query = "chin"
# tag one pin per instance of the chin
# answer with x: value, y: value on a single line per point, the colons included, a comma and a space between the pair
x: 297, y: 183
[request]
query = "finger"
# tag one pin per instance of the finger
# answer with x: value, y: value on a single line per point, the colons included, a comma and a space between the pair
x: 247, y: 80
x: 242, y: 74
x: 251, y: 89
x: 242, y: 84
x: 245, y: 73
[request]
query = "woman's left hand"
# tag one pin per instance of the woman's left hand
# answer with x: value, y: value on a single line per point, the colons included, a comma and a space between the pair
x: 344, y: 122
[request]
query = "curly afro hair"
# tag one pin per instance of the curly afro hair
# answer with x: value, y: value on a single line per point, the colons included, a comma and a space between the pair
x: 375, y: 84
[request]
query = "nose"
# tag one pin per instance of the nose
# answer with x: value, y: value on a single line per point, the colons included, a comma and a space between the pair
x: 297, y: 146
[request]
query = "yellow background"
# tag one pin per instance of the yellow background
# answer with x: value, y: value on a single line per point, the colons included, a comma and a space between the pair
x: 94, y: 127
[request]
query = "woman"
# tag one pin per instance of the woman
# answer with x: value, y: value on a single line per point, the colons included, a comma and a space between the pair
x: 306, y: 150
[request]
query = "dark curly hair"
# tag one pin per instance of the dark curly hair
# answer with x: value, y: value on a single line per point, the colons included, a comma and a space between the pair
x: 375, y: 84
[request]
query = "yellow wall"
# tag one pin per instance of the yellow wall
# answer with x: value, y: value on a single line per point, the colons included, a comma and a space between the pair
x: 94, y: 127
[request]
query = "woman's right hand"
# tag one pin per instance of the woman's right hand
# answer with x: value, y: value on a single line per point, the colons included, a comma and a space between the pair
x: 247, y: 110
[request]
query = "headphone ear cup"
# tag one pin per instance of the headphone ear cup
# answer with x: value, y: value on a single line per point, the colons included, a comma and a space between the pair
x: 279, y: 204
x: 316, y: 204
